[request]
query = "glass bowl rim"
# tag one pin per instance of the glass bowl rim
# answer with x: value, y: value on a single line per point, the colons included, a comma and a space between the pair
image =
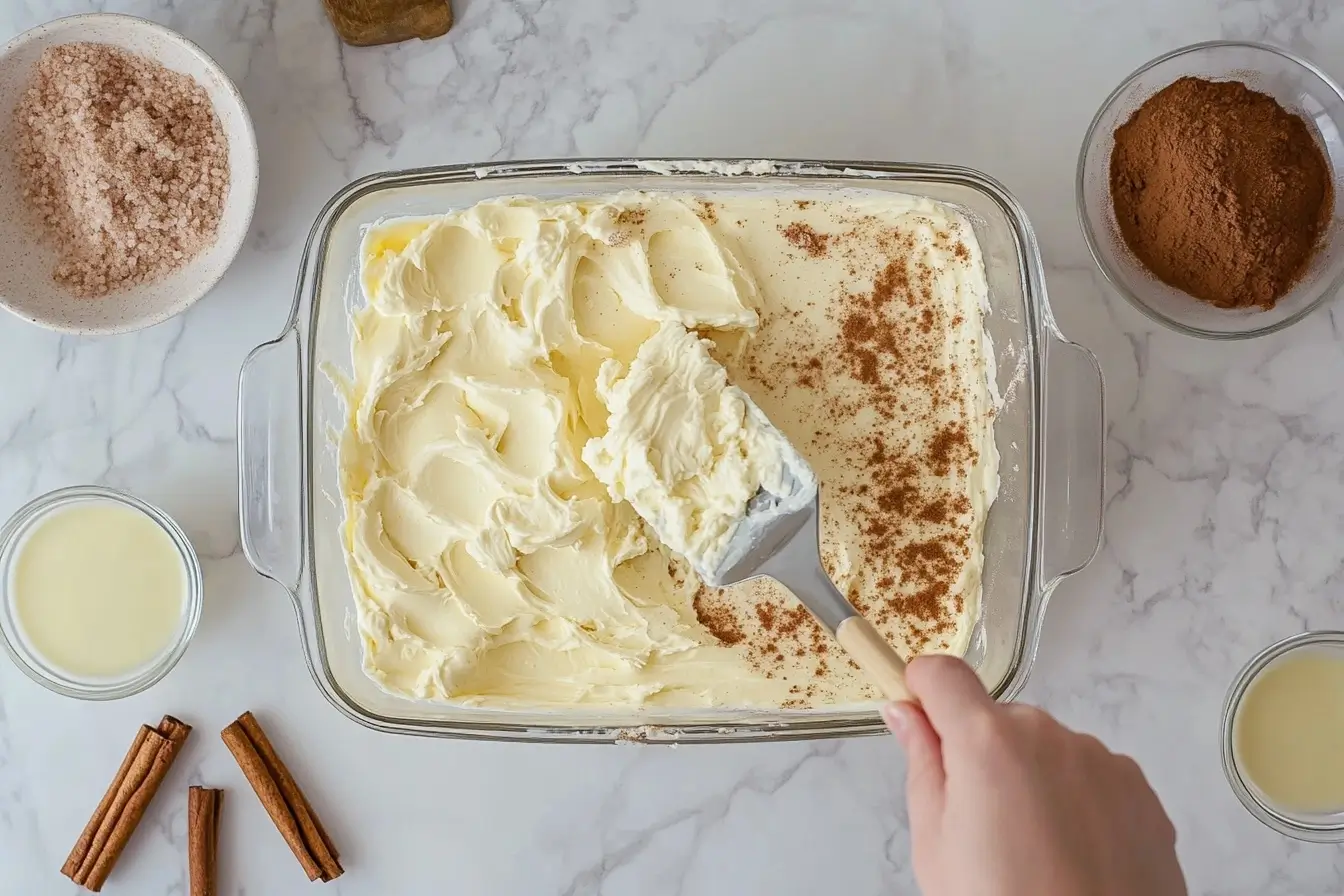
x: 1283, y: 822
x: 19, y: 524
x: 1094, y: 246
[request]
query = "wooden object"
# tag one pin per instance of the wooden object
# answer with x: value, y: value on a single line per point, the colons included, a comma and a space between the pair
x: 283, y: 800
x: 124, y: 804
x: 366, y: 23
x: 879, y: 661
x: 203, y: 805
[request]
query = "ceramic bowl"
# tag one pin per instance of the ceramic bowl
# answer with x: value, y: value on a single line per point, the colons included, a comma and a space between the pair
x: 27, y: 261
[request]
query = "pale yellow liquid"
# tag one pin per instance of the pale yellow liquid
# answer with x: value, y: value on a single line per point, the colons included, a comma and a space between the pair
x: 99, y: 589
x: 1288, y: 734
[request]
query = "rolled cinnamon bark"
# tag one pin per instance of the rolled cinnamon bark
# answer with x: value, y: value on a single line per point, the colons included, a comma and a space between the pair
x: 123, y: 805
x: 293, y: 817
x: 203, y: 805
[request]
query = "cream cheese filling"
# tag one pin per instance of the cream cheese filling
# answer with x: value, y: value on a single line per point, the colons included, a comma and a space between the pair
x: 680, y: 446
x: 505, y: 356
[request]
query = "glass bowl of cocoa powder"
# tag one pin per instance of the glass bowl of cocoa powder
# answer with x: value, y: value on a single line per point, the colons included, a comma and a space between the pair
x: 1208, y: 189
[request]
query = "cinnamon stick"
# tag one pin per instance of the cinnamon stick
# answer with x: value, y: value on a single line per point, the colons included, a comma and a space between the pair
x: 203, y: 804
x: 293, y: 817
x: 123, y: 805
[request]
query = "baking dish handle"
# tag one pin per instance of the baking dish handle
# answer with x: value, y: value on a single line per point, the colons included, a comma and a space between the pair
x: 270, y: 508
x: 1075, y: 420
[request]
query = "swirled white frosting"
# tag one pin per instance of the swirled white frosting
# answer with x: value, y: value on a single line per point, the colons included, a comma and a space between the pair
x: 499, y: 363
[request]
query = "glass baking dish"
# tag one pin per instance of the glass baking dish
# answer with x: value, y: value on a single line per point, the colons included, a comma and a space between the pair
x: 1045, y: 525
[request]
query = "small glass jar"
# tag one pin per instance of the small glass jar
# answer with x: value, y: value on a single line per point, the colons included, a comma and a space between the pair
x: 1311, y: 827
x: 12, y: 538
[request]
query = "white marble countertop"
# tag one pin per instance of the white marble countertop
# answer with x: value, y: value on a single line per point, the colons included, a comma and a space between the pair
x: 1225, y: 501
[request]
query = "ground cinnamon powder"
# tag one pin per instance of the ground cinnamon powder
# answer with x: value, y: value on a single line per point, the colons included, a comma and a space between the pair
x: 123, y: 162
x: 1220, y: 192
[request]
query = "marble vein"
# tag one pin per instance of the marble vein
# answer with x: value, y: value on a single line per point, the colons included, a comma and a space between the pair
x: 1223, y: 507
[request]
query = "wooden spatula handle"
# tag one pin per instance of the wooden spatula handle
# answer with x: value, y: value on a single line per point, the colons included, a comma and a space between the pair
x: 882, y: 664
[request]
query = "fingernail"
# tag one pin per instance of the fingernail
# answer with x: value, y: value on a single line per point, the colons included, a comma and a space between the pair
x: 896, y: 721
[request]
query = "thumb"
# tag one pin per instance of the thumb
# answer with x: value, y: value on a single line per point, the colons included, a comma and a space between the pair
x: 924, y: 775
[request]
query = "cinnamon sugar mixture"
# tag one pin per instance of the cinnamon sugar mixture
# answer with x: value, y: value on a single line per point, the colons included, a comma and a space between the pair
x: 885, y: 384
x: 123, y: 162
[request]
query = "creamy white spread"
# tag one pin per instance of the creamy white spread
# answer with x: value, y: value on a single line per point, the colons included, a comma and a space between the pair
x: 680, y: 446
x: 512, y: 353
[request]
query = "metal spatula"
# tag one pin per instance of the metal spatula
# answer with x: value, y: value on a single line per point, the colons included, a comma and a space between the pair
x: 780, y: 537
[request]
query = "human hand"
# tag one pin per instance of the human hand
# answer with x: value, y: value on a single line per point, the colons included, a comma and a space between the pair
x: 1005, y: 801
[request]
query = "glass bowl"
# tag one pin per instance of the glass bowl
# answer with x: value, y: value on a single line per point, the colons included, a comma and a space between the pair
x: 1301, y: 88
x: 1311, y: 827
x: 34, y: 665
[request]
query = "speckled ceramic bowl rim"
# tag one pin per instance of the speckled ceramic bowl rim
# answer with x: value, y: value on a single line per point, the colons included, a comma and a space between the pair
x: 229, y: 243
x: 11, y: 536
x: 1093, y: 240
x: 1314, y: 828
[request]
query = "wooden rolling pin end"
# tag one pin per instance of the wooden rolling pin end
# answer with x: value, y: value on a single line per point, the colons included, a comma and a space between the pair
x: 367, y: 23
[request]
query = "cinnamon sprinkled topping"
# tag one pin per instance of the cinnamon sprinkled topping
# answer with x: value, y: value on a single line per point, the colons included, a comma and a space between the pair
x: 952, y: 445
x: 717, y: 616
x: 627, y: 221
x: 801, y: 236
x: 766, y: 613
x: 889, y: 359
x: 886, y: 420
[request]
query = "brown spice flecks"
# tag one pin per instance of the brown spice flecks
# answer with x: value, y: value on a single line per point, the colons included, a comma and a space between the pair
x: 893, y: 280
x: 795, y: 619
x: 123, y: 162
x: 717, y: 616
x: 936, y: 511
x: 707, y: 211
x: 927, y: 604
x: 803, y: 237
x: 951, y: 445
x: 928, y: 561
x: 898, y: 494
x: 627, y: 221
x: 786, y: 629
x: 913, y: 504
x: 766, y: 614
x: 879, y: 356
